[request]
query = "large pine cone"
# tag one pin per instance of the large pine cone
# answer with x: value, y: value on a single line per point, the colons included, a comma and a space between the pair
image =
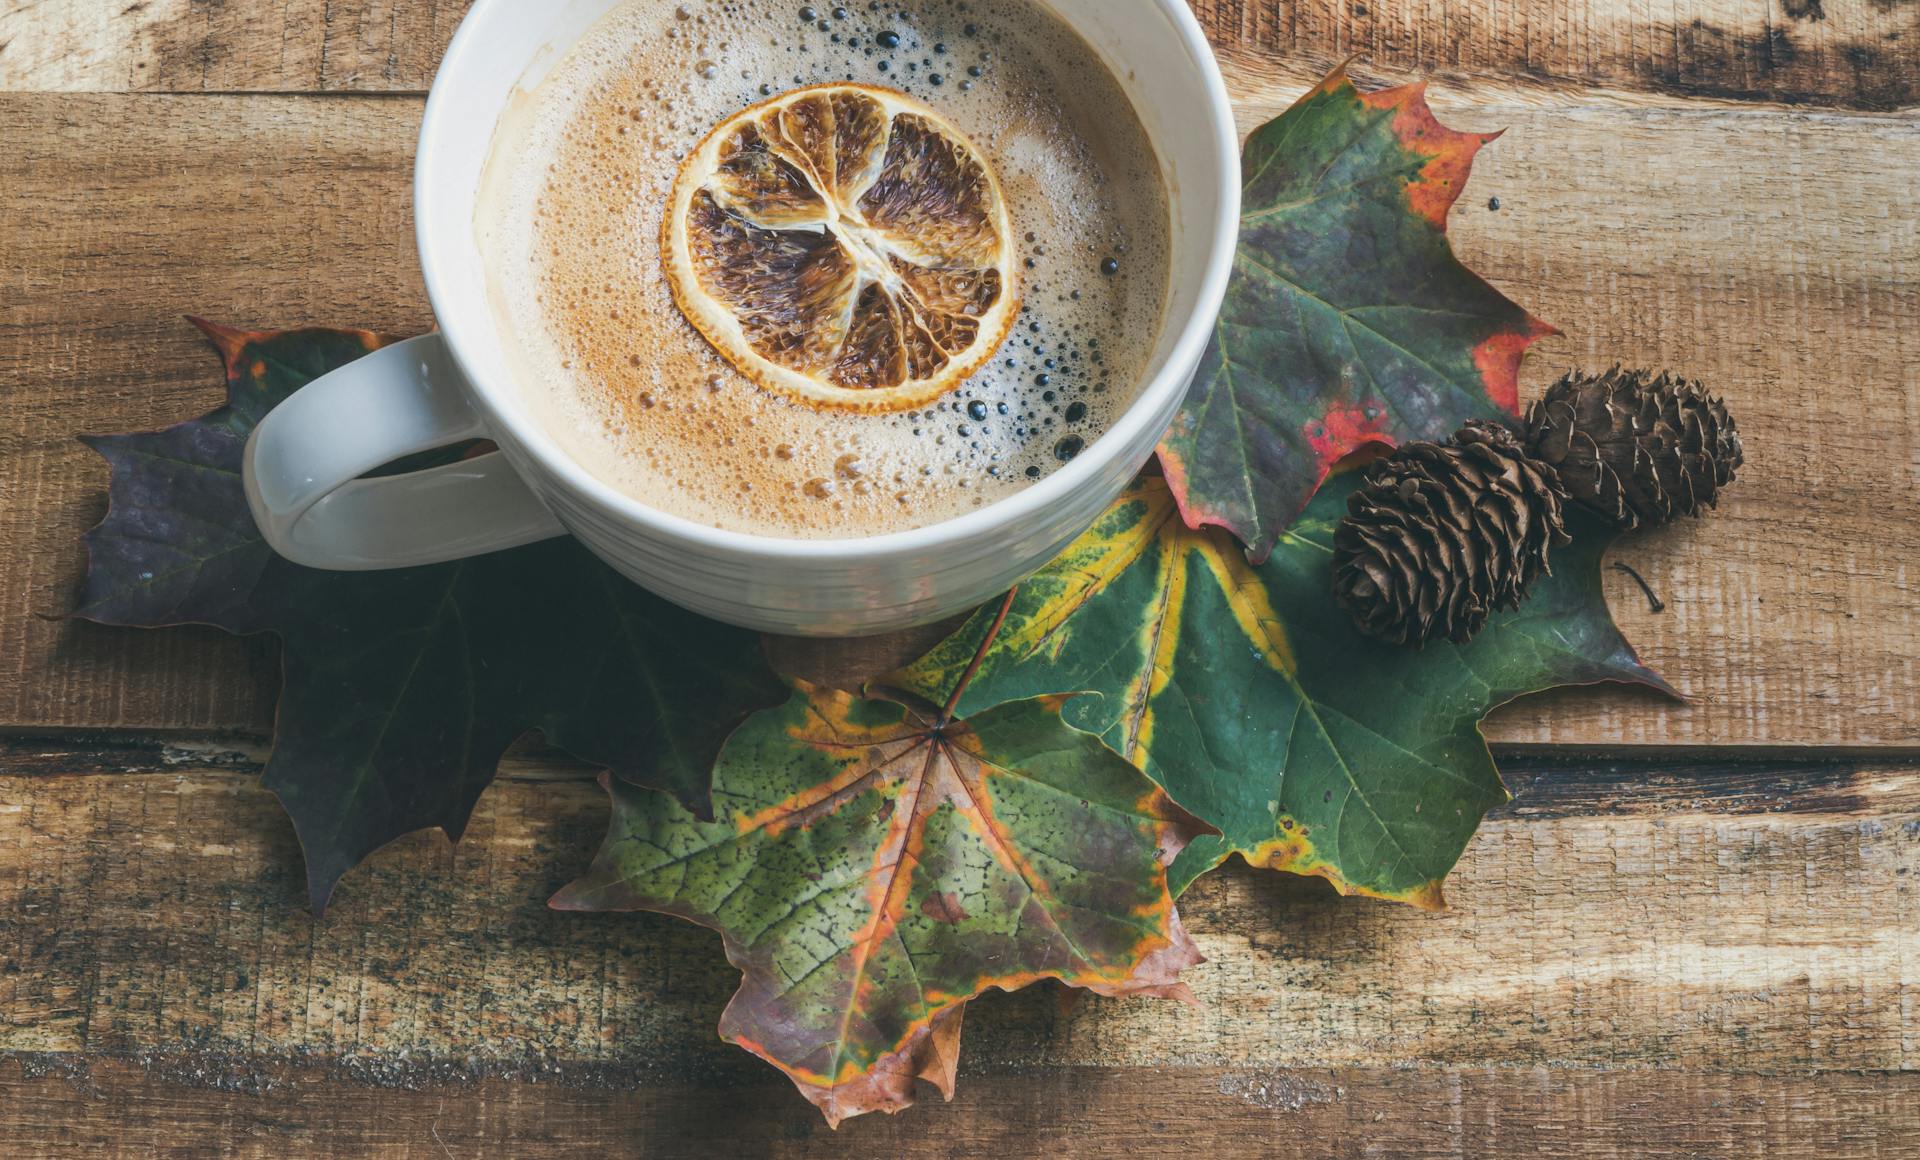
x: 1441, y: 534
x: 1636, y: 449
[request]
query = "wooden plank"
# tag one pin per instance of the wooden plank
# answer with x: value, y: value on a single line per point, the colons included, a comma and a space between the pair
x: 1858, y: 54
x: 122, y: 214
x: 1788, y: 288
x: 1843, y: 53
x: 191, y: 46
x: 1739, y: 918
x: 193, y: 1105
x: 1767, y: 254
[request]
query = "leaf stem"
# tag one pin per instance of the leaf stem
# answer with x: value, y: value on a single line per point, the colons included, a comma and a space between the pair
x: 966, y: 678
x: 1654, y: 603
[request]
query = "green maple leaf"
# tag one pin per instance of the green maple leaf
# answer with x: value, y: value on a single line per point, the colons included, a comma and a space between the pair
x: 1247, y: 693
x: 875, y: 864
x: 1349, y: 320
x: 403, y: 688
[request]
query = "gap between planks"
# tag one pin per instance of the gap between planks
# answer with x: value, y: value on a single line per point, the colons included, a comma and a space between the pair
x: 1720, y: 772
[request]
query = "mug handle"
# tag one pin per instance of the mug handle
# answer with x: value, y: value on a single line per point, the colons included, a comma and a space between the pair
x: 304, y: 462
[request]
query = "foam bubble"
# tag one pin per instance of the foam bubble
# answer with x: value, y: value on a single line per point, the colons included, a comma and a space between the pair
x: 571, y: 221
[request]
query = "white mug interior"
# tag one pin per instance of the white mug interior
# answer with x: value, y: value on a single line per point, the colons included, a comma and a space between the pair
x: 829, y: 586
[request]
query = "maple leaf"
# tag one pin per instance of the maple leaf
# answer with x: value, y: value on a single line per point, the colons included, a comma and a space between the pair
x: 1248, y: 694
x: 1349, y: 320
x: 403, y: 688
x: 877, y: 863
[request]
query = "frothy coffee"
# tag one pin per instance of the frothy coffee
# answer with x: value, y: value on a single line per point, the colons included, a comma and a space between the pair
x: 570, y: 229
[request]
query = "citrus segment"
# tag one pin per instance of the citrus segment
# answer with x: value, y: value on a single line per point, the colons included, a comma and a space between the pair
x: 845, y: 245
x: 932, y: 198
x: 762, y: 187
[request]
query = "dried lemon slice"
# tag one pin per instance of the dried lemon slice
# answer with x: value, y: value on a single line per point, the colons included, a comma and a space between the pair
x: 844, y: 244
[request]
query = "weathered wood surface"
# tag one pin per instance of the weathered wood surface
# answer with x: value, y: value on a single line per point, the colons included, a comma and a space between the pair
x: 1770, y: 255
x: 1709, y: 959
x: 254, y: 209
x: 1746, y: 918
x: 199, y: 1106
x: 189, y: 46
x: 1862, y: 54
x: 1738, y: 922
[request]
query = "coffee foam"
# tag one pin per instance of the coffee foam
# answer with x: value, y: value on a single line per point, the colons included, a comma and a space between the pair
x: 570, y: 226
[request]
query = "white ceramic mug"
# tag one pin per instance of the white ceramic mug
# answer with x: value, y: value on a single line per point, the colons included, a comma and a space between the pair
x: 304, y: 462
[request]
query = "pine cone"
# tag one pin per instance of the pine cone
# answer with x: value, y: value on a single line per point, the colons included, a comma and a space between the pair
x: 1441, y: 534
x: 1636, y: 449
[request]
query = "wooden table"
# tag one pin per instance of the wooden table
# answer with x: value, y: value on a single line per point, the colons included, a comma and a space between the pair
x: 1695, y: 933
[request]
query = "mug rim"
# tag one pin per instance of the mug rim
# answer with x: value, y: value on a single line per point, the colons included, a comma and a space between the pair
x: 1173, y: 377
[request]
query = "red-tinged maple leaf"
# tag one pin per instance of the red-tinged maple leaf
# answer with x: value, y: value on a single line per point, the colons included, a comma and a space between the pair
x: 876, y: 863
x: 1248, y: 693
x: 1349, y: 320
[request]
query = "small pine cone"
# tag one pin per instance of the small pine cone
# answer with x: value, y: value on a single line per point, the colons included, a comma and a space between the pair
x: 1441, y: 534
x: 1635, y: 448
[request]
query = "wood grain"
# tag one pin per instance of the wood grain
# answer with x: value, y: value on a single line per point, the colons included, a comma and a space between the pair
x: 1844, y: 53
x: 122, y: 214
x: 216, y: 1106
x: 1643, y: 959
x: 1768, y: 254
x: 190, y: 46
x: 1860, y: 54
x: 1739, y: 918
